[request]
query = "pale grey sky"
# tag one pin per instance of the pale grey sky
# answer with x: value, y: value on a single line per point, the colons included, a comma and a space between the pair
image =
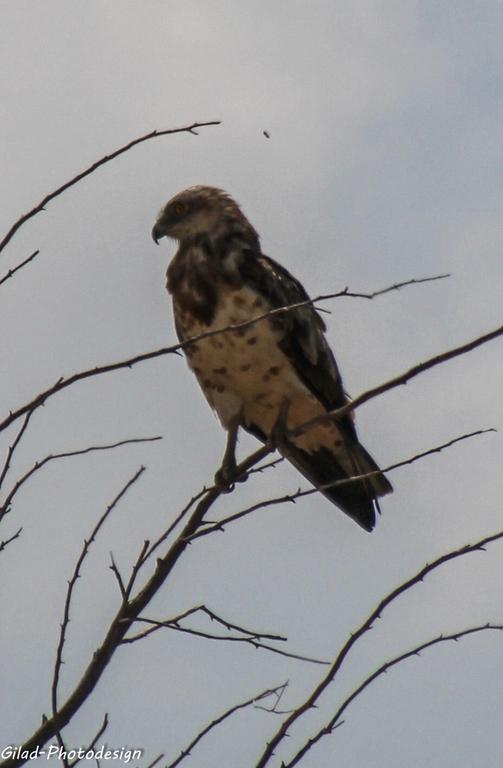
x: 384, y: 162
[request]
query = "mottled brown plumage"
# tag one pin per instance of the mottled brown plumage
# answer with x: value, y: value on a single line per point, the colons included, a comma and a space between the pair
x: 220, y: 277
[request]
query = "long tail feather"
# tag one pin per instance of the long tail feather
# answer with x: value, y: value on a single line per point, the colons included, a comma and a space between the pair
x: 358, y: 499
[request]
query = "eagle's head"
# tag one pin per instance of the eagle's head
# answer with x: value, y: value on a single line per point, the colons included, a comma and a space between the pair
x: 200, y: 211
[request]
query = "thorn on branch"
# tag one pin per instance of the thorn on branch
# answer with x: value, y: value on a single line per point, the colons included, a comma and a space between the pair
x: 13, y: 271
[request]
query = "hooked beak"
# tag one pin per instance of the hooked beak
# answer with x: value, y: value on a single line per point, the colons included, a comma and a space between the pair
x: 157, y: 233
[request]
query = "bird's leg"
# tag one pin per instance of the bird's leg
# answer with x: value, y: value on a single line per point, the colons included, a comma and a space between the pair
x: 278, y: 437
x: 226, y: 475
x: 228, y: 468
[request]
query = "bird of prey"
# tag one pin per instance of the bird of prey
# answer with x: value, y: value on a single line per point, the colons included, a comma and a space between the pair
x: 277, y: 369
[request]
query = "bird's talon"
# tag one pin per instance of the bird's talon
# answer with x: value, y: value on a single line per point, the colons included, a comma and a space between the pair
x: 225, y: 478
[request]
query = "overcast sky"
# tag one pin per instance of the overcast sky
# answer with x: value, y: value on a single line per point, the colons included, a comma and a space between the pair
x: 384, y: 163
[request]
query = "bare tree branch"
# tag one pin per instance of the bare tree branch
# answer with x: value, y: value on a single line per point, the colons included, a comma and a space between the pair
x: 106, y: 159
x: 121, y: 623
x: 268, y: 465
x: 335, y: 721
x: 63, y: 382
x: 224, y: 623
x: 251, y: 638
x: 116, y: 572
x: 18, y: 267
x: 382, y: 291
x: 92, y: 744
x: 310, y: 702
x: 155, y: 761
x: 402, y: 378
x: 53, y: 456
x: 71, y: 586
x: 229, y: 638
x: 63, y: 751
x: 13, y: 447
x: 129, y: 612
x: 6, y: 542
x: 174, y: 622
x: 136, y: 567
x: 250, y: 702
x: 149, y: 550
x: 219, y: 525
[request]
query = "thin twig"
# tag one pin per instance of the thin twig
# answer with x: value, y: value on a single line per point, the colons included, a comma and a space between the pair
x: 116, y: 572
x: 260, y: 697
x: 155, y: 761
x: 6, y: 542
x: 279, y: 696
x: 13, y: 447
x: 136, y: 567
x: 18, y: 267
x: 162, y: 538
x: 156, y: 625
x: 382, y: 291
x: 91, y: 746
x: 156, y: 544
x: 174, y: 623
x: 224, y: 623
x: 72, y: 583
x: 119, y: 628
x: 106, y: 159
x: 66, y: 454
x: 219, y: 525
x: 335, y: 721
x: 268, y: 465
x: 63, y: 750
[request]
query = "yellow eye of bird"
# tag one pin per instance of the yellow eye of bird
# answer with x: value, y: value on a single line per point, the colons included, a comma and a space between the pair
x: 180, y: 208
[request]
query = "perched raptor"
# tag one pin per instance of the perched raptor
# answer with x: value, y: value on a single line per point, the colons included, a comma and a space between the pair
x: 277, y: 369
